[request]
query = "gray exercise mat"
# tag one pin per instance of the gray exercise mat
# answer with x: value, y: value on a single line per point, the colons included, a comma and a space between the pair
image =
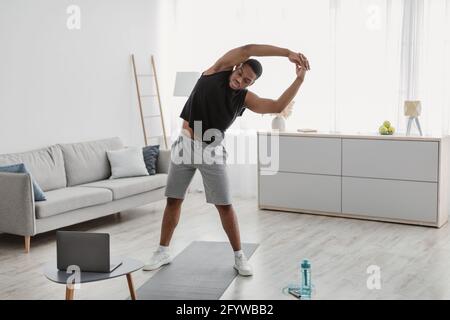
x: 202, y: 271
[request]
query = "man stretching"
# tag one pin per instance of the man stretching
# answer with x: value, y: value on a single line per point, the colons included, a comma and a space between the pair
x: 219, y: 96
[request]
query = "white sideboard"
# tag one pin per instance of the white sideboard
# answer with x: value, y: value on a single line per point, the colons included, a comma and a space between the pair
x: 387, y: 178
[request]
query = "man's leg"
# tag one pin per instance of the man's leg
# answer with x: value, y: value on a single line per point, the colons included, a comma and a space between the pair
x: 230, y: 225
x: 179, y: 177
x: 217, y: 191
x: 178, y: 180
x: 215, y: 180
x: 170, y: 220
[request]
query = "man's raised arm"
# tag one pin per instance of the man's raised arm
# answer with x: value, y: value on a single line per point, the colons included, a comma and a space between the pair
x: 262, y: 105
x: 239, y: 55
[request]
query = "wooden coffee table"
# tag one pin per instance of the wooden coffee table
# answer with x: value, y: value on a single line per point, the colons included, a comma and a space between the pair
x: 125, y: 269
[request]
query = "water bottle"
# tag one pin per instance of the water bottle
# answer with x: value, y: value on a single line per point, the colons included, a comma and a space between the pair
x: 305, y: 286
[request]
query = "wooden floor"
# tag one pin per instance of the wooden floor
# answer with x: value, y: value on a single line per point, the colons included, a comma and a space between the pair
x: 414, y: 261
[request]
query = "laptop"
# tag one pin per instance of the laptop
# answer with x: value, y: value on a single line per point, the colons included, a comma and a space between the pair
x: 89, y: 251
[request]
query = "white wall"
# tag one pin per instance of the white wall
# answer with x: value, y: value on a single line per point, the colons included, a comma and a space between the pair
x: 59, y: 85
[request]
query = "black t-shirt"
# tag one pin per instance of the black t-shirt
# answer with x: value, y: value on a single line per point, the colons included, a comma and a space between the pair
x: 214, y: 102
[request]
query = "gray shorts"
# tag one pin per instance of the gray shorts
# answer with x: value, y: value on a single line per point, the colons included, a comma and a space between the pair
x: 187, y: 155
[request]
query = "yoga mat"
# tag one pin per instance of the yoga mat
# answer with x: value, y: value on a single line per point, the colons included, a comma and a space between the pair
x: 202, y: 271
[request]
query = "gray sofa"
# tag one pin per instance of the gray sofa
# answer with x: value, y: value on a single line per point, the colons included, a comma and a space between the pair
x: 75, y: 179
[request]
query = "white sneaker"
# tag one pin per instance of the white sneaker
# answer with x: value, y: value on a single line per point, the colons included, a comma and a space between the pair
x: 158, y: 259
x: 242, y: 266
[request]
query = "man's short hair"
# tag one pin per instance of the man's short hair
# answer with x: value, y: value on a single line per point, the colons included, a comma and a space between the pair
x: 255, y: 65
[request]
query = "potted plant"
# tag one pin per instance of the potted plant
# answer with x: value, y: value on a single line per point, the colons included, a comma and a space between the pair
x: 279, y: 122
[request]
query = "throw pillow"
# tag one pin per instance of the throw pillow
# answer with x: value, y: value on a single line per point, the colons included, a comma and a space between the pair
x: 20, y: 168
x: 128, y: 162
x: 151, y: 154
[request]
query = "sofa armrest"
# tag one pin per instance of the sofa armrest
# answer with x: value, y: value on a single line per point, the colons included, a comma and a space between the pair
x: 17, y: 204
x: 162, y: 166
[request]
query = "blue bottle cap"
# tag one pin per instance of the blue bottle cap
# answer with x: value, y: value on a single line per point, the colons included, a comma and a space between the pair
x: 306, y: 264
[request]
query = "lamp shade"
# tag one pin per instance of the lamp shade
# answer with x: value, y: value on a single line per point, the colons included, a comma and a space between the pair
x: 184, y: 83
x: 412, y: 108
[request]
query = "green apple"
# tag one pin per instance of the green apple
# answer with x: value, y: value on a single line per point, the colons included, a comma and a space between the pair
x: 391, y: 130
x: 387, y: 124
x: 383, y: 130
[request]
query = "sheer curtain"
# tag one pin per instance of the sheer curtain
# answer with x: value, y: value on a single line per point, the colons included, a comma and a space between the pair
x: 367, y: 57
x: 433, y: 66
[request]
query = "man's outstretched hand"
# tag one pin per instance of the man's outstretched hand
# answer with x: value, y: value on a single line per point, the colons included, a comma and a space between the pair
x: 299, y: 59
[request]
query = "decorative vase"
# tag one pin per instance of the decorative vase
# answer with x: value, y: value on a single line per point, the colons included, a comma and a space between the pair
x: 278, y: 123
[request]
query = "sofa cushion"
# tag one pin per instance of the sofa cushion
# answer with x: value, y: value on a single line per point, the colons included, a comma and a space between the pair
x: 45, y: 165
x: 127, y: 162
x: 72, y: 198
x: 151, y: 154
x: 87, y: 161
x: 125, y: 187
x: 21, y: 168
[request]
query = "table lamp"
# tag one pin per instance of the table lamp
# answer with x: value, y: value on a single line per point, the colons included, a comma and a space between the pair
x: 184, y: 83
x: 413, y: 109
